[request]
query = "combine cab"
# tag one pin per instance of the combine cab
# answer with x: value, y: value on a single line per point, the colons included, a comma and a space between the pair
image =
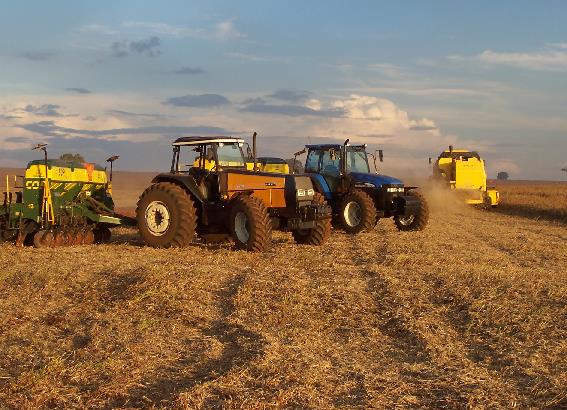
x: 58, y: 203
x: 463, y: 171
x: 218, y: 197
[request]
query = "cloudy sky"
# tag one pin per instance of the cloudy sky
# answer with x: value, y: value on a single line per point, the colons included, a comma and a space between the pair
x: 126, y: 77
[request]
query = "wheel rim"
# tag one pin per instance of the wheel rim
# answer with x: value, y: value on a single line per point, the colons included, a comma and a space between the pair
x: 352, y: 214
x: 157, y: 218
x: 241, y: 227
x: 405, y: 221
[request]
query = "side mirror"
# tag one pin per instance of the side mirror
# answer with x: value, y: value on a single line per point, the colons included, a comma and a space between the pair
x: 381, y: 155
x: 295, y: 155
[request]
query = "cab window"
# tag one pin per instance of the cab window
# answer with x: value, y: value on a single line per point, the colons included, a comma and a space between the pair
x: 230, y: 155
x: 331, y: 162
x: 312, y: 163
x: 357, y: 161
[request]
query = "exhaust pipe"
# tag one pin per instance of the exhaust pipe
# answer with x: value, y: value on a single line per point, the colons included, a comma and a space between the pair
x: 254, y: 150
x: 344, y: 157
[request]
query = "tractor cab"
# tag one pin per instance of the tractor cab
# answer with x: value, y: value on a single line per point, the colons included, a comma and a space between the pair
x: 339, y: 168
x: 203, y: 158
x: 207, y: 154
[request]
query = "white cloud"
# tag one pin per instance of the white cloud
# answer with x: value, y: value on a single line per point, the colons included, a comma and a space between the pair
x: 164, y: 29
x: 98, y: 28
x: 389, y: 70
x: 224, y: 30
x: 370, y: 119
x: 551, y: 58
x: 256, y: 58
x: 314, y: 104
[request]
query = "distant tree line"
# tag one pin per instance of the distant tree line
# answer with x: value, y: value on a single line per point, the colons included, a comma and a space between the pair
x: 502, y: 176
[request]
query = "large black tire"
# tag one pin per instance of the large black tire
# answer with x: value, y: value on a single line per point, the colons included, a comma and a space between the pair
x: 166, y: 216
x: 250, y: 224
x: 319, y: 233
x: 357, y: 212
x: 414, y: 222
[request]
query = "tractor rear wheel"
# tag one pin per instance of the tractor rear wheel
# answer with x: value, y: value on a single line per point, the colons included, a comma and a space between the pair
x: 166, y: 216
x: 250, y: 224
x: 319, y: 233
x: 357, y: 212
x: 416, y: 222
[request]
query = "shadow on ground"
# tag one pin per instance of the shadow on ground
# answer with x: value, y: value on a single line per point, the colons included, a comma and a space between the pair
x: 550, y: 215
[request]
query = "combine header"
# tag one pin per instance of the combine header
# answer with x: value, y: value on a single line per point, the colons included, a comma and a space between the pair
x: 57, y: 203
x: 463, y: 172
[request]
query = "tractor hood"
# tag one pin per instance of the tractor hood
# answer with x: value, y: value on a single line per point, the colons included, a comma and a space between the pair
x: 377, y: 179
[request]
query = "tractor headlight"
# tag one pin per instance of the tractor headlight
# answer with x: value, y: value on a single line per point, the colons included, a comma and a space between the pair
x: 302, y: 193
x: 395, y: 189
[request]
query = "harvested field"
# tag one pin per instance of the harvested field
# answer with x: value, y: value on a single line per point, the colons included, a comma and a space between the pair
x: 469, y: 313
x: 535, y: 199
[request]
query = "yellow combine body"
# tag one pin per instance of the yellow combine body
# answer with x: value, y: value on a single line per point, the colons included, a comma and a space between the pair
x: 463, y: 171
x: 272, y: 164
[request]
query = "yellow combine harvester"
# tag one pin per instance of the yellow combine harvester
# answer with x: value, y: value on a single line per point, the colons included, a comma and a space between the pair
x: 463, y: 171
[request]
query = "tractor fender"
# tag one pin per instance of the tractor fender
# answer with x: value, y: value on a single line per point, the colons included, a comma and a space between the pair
x: 187, y: 182
x: 321, y: 185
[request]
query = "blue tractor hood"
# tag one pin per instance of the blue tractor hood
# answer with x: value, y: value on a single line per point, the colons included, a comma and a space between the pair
x: 376, y: 179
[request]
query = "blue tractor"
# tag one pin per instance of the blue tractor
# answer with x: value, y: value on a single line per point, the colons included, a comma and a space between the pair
x: 358, y: 197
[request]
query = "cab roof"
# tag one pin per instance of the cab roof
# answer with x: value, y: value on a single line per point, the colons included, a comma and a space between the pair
x: 328, y: 146
x: 198, y: 140
x: 458, y: 153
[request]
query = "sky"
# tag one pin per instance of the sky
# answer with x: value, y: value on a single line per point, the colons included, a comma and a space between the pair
x: 409, y: 77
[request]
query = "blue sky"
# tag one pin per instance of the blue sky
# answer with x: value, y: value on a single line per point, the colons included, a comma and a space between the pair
x: 126, y: 77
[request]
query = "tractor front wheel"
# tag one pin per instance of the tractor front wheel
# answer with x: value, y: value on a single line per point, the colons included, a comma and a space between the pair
x: 416, y: 222
x: 250, y: 224
x: 357, y: 212
x: 166, y: 216
x: 319, y: 233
